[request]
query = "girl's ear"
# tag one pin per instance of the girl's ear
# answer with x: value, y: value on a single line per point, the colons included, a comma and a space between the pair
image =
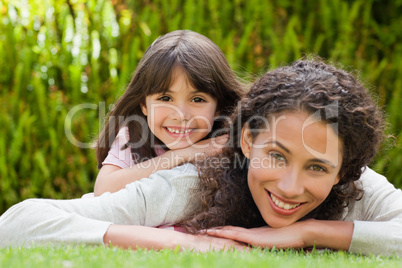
x: 246, y: 141
x: 144, y: 108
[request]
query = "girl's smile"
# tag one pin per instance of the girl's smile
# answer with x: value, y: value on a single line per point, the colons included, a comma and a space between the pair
x: 178, y: 132
x: 174, y: 130
x: 293, y: 166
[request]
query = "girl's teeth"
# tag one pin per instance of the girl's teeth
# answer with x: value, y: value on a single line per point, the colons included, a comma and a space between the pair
x: 178, y: 131
x: 283, y: 205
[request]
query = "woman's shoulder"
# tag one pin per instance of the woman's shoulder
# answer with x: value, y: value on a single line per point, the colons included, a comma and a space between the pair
x: 186, y: 173
x: 380, y: 197
x: 185, y: 169
x: 370, y: 181
x: 171, y: 182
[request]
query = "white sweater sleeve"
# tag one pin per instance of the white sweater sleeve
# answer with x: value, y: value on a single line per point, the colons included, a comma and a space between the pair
x: 161, y: 199
x: 377, y: 217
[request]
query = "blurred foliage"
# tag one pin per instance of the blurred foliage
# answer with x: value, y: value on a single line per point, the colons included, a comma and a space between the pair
x: 58, y: 55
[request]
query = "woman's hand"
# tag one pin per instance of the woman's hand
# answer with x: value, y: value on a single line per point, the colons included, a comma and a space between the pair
x: 204, y: 243
x: 265, y: 237
x: 328, y: 234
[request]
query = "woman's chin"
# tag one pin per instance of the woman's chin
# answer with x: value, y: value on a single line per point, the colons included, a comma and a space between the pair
x: 279, y: 223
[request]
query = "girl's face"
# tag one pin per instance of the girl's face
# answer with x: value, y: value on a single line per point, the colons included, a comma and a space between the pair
x: 293, y: 166
x: 181, y: 116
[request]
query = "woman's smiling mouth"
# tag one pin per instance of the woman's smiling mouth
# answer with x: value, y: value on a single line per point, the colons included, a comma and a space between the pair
x: 282, y: 207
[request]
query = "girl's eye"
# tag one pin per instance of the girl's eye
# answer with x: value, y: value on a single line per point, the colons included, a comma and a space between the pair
x: 198, y: 99
x: 278, y: 156
x: 316, y: 168
x: 165, y: 98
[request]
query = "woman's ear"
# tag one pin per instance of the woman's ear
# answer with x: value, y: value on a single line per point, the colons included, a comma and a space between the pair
x: 246, y: 141
x: 337, y: 179
x: 144, y: 108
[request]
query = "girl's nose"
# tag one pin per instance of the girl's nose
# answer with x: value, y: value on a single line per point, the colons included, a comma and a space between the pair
x: 181, y: 112
x: 291, y: 184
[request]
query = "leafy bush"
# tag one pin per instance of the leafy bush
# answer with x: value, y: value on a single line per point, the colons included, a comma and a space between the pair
x: 58, y: 54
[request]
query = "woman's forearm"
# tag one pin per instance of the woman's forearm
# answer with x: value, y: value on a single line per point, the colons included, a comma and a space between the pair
x: 133, y: 237
x: 328, y: 234
x: 130, y: 236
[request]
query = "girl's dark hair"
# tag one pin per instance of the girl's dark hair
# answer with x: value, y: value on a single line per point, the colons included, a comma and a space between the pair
x: 206, y: 68
x: 310, y: 86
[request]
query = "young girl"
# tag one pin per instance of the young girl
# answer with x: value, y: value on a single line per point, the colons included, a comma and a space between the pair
x: 180, y: 85
x: 293, y: 172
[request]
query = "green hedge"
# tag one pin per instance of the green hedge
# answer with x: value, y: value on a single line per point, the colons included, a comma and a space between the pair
x: 57, y: 54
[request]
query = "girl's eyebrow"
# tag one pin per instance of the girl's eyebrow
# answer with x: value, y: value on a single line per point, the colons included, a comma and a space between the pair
x: 191, y: 92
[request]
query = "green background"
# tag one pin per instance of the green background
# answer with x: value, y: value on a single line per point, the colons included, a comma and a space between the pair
x: 57, y: 55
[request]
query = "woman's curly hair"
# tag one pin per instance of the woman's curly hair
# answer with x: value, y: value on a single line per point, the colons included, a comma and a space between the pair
x: 310, y: 86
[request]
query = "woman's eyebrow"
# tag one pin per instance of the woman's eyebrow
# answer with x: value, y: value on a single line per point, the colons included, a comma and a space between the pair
x: 324, y: 161
x: 280, y: 145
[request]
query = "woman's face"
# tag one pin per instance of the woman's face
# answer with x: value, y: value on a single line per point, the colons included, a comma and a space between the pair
x: 294, y: 163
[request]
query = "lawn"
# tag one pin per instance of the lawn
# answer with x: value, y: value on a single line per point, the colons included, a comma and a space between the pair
x: 99, y: 256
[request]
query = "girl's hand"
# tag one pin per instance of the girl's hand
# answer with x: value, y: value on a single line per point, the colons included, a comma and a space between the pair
x: 208, y: 147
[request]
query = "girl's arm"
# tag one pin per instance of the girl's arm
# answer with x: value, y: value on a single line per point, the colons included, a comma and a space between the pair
x: 112, y: 178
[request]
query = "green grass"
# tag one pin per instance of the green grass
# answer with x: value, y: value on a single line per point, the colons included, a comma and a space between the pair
x: 86, y: 256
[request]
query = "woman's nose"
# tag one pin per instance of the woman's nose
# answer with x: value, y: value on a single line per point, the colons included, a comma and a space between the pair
x: 291, y: 183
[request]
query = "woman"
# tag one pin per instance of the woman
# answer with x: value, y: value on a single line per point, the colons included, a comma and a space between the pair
x: 308, y: 131
x: 299, y: 144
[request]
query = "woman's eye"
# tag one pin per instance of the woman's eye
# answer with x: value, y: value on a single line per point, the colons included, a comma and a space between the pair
x: 198, y: 99
x: 317, y: 168
x: 165, y: 98
x: 278, y: 156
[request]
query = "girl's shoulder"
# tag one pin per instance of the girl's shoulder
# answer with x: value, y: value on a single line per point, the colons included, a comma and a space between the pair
x: 116, y: 156
x: 123, y: 133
